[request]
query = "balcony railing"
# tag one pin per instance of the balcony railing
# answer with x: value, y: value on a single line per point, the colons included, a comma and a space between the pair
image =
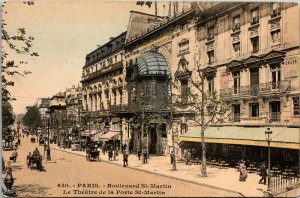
x: 258, y: 89
x: 235, y: 117
x: 95, y: 114
x: 118, y: 108
x: 273, y: 117
x: 275, y: 13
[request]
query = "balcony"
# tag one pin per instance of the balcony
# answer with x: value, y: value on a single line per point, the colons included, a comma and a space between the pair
x: 235, y: 117
x: 96, y: 114
x: 273, y: 117
x: 275, y: 13
x: 254, y: 52
x: 270, y: 88
x: 254, y: 21
x: 118, y: 108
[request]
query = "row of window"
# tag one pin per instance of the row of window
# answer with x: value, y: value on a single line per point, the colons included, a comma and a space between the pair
x: 104, y: 63
x: 254, y: 40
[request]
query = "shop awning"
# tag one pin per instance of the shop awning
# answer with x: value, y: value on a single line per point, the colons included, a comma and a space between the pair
x: 88, y: 132
x: 282, y: 137
x: 110, y: 135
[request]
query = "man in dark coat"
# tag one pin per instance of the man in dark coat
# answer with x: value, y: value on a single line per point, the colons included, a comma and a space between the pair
x: 263, y: 173
x: 125, y: 158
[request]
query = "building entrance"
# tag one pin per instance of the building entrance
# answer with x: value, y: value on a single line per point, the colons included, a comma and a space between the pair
x: 152, y: 140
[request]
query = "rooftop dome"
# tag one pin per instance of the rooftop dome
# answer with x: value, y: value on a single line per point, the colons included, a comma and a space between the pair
x: 152, y: 63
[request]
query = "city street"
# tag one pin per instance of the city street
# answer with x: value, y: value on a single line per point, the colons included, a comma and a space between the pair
x: 70, y: 175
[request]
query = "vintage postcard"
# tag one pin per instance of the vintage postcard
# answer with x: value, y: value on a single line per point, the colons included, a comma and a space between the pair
x: 150, y: 98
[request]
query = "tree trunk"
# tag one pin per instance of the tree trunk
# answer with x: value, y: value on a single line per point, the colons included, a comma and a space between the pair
x: 203, y: 167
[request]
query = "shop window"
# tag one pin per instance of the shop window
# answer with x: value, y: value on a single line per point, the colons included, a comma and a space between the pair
x: 254, y: 109
x: 296, y: 107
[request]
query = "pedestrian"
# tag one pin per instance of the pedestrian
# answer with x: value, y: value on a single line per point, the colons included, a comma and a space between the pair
x: 124, y: 147
x: 263, y: 173
x: 125, y: 158
x: 172, y: 156
x: 243, y: 171
x: 145, y: 160
x: 110, y: 154
x: 103, y: 148
x: 188, y: 157
x: 139, y: 153
x: 115, y: 154
x: 185, y: 155
x: 28, y: 159
x: 45, y: 148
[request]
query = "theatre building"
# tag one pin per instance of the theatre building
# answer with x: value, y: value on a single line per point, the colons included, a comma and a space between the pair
x: 249, y: 53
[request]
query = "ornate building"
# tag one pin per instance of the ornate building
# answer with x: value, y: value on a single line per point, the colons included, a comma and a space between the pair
x: 248, y: 54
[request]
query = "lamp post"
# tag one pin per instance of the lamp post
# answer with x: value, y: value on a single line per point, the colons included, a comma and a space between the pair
x: 48, y: 126
x: 268, y: 134
x: 18, y: 132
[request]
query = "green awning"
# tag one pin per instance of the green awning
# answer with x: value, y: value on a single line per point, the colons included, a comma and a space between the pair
x: 282, y: 137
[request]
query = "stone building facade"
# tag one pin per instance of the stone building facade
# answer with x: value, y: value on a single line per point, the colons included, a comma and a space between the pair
x: 249, y: 53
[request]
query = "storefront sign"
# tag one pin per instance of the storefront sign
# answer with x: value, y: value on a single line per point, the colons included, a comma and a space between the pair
x: 291, y: 67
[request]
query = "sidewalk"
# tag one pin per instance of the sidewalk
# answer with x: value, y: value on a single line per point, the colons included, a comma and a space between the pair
x: 219, y: 178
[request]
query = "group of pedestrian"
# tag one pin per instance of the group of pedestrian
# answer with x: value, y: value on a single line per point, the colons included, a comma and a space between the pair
x: 262, y: 172
x: 113, y: 153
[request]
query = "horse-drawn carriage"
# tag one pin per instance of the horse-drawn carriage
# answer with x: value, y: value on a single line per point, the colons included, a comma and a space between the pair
x: 8, y: 143
x: 35, y: 162
x: 41, y: 141
x: 32, y: 139
x: 93, y: 155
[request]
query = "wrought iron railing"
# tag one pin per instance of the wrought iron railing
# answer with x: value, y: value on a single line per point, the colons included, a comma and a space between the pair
x: 283, y: 86
x: 273, y: 117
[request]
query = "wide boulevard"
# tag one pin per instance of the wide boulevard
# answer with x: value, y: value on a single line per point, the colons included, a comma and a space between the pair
x: 71, y: 175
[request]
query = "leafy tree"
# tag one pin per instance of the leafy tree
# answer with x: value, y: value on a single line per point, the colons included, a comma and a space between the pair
x: 8, y: 116
x: 14, y: 45
x: 32, y: 118
x: 206, y: 109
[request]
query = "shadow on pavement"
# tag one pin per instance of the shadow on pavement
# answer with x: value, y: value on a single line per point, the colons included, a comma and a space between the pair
x: 14, y: 168
x: 31, y: 190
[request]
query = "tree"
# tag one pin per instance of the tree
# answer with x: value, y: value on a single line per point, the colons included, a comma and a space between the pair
x: 14, y: 45
x: 32, y: 118
x: 206, y: 109
x: 8, y: 116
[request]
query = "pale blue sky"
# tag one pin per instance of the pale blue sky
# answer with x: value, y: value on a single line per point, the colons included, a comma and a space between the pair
x: 64, y: 31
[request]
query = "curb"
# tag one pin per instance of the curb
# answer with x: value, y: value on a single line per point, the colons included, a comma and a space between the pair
x: 160, y: 174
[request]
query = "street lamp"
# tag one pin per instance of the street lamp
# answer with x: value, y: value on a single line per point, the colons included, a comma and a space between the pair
x: 19, y: 142
x: 268, y: 134
x: 48, y: 126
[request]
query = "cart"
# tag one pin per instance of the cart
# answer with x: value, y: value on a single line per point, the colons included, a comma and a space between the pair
x: 93, y: 155
x: 32, y: 140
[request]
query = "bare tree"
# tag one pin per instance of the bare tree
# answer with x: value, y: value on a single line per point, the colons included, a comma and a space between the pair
x: 17, y: 44
x: 205, y: 108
